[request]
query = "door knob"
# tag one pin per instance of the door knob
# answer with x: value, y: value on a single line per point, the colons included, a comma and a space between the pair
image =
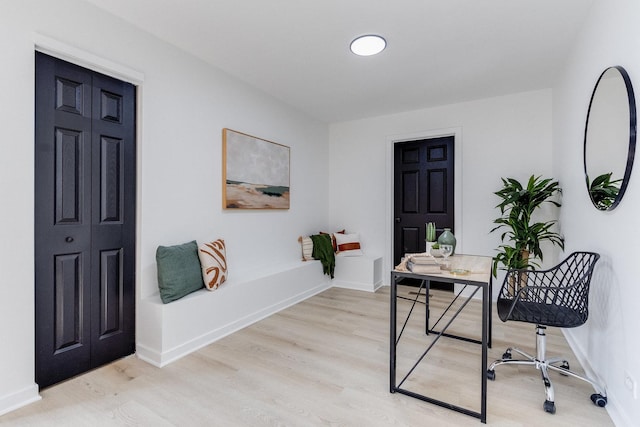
x: 398, y: 220
x: 68, y: 239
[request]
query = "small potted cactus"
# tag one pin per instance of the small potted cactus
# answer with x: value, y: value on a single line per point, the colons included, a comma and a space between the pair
x: 431, y: 232
x: 431, y: 235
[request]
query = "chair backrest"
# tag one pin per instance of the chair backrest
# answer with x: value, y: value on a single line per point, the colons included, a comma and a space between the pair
x: 558, y: 296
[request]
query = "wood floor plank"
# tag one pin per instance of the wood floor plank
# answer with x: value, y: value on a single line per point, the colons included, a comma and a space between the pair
x: 322, y: 362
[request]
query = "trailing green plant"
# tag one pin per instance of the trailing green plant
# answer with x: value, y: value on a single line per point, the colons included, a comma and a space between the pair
x: 521, y: 237
x: 603, y: 191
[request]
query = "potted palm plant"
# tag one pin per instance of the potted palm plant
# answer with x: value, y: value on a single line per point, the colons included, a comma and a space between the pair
x: 522, y: 236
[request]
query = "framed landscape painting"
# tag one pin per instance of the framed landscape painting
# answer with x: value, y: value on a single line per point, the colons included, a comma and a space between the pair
x: 255, y: 172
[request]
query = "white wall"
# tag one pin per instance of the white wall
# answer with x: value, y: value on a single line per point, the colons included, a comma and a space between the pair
x: 184, y: 104
x: 608, y: 344
x: 508, y: 136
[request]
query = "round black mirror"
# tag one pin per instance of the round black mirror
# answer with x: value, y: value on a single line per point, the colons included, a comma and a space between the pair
x: 610, y: 138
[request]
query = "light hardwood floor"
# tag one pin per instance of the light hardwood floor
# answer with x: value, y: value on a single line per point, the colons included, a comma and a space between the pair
x: 324, y: 361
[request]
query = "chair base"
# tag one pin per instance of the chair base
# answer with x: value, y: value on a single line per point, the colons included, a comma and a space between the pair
x: 544, y: 364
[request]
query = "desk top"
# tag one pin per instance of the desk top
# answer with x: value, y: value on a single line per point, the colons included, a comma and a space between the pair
x: 464, y: 268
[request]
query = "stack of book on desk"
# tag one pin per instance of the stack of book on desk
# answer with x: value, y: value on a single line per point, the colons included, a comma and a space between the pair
x: 422, y: 264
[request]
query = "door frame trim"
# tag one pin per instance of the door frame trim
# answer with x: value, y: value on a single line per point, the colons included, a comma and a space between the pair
x: 86, y: 59
x: 391, y: 140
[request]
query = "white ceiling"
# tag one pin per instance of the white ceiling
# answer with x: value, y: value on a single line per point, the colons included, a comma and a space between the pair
x: 438, y: 51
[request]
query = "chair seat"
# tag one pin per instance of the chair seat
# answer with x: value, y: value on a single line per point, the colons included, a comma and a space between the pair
x: 543, y: 314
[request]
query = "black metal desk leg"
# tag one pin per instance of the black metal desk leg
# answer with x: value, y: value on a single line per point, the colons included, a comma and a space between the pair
x: 486, y: 312
x: 490, y: 319
x: 392, y: 335
x: 427, y: 286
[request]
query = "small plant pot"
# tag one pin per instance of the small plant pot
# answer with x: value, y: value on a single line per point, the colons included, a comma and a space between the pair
x: 428, y: 246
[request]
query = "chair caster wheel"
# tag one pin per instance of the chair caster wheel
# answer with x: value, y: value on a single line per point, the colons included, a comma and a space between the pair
x: 549, y: 407
x: 491, y: 375
x: 599, y: 400
x: 565, y: 365
x: 506, y: 355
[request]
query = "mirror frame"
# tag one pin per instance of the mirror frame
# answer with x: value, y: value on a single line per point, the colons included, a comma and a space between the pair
x: 632, y: 136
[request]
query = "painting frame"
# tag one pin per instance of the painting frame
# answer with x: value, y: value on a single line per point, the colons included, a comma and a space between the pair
x: 256, y: 173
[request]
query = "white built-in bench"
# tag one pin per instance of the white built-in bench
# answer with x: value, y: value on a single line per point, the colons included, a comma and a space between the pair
x: 167, y: 332
x: 363, y: 273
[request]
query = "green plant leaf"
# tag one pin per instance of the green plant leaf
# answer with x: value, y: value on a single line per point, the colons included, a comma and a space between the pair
x: 603, y: 191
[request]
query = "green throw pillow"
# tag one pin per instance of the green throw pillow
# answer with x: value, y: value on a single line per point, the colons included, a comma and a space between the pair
x: 179, y: 271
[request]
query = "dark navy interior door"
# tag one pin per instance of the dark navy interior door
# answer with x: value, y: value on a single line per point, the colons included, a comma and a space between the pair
x: 84, y: 219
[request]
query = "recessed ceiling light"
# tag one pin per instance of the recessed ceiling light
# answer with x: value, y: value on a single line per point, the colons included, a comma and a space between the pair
x: 368, y: 45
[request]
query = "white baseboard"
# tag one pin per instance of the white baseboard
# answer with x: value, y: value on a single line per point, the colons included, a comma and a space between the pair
x: 358, y: 286
x: 19, y: 399
x: 163, y: 358
x: 618, y: 415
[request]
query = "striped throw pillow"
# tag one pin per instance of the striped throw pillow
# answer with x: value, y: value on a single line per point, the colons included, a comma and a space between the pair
x: 307, y: 247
